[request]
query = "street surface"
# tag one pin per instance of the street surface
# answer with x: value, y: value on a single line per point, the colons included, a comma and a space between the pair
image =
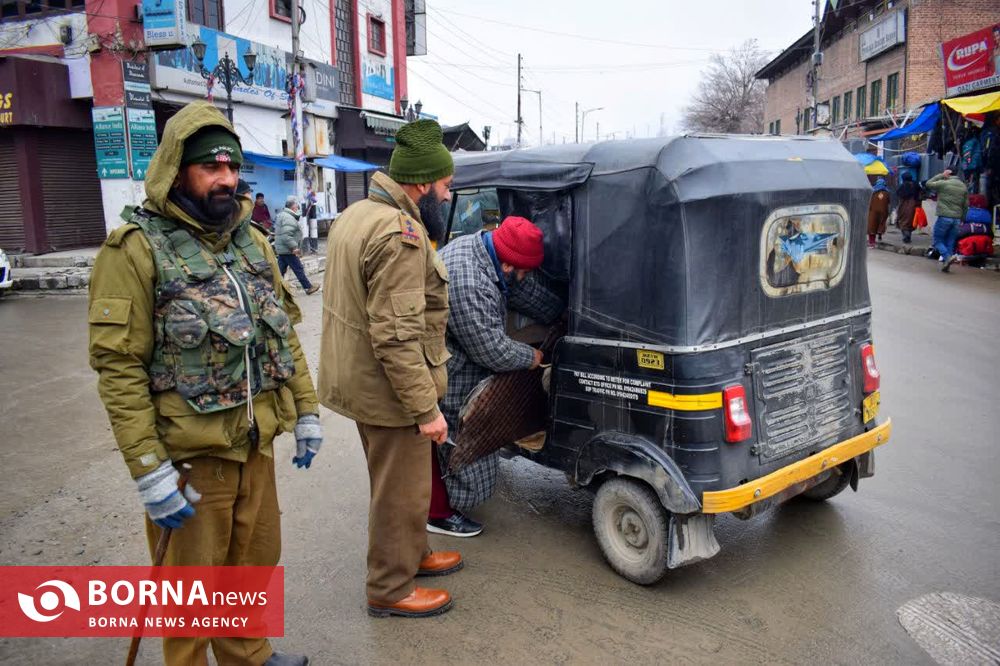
x: 807, y: 583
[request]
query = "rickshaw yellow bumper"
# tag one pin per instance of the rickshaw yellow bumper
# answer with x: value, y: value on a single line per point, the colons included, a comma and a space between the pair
x: 734, y: 499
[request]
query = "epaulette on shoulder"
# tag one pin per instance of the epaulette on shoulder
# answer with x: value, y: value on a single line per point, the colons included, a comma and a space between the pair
x: 410, y: 233
x: 117, y: 237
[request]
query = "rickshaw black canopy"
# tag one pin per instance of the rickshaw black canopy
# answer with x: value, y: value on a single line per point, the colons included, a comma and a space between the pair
x: 663, y: 242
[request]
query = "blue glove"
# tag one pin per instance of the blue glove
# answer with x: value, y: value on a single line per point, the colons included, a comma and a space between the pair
x: 308, y: 439
x: 165, y: 504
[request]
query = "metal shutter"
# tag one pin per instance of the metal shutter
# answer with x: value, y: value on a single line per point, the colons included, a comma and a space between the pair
x: 11, y: 222
x: 74, y: 211
x: 355, y: 187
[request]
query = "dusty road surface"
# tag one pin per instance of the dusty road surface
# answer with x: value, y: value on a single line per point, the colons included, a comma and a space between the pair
x: 805, y: 583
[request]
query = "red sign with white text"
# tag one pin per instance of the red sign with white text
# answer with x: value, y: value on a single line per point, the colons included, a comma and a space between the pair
x: 971, y: 62
x: 149, y: 601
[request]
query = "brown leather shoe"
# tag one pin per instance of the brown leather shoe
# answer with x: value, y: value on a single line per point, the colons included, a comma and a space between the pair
x: 422, y: 602
x: 440, y: 563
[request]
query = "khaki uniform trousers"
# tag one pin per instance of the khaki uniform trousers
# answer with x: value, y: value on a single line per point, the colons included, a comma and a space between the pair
x: 237, y: 522
x: 399, y: 471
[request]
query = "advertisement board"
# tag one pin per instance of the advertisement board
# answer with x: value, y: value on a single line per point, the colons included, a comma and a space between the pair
x: 164, y: 24
x: 109, y: 141
x: 882, y: 36
x: 972, y: 61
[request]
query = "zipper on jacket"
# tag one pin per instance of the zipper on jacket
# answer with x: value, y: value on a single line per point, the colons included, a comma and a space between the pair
x: 252, y: 370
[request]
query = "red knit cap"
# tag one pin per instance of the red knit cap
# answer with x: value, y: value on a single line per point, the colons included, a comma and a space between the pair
x: 518, y: 242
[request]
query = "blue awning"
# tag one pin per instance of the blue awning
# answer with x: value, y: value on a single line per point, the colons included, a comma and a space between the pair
x: 273, y: 161
x: 340, y: 163
x: 925, y: 122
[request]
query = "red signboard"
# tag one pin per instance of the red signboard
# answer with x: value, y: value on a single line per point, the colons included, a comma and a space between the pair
x: 972, y: 62
x: 142, y: 601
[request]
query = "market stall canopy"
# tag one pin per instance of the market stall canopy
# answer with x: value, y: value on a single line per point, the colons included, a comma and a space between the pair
x: 975, y: 104
x: 345, y: 164
x: 273, y: 161
x: 925, y: 122
x: 872, y: 164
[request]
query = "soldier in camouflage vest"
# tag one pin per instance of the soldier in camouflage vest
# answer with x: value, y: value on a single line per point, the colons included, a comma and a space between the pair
x: 191, y: 334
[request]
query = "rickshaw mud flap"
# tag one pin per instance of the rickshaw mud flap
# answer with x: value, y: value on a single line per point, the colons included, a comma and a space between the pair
x: 775, y: 483
x: 640, y: 459
x: 691, y: 539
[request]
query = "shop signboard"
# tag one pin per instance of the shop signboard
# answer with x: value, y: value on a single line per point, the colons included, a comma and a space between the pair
x: 164, y: 24
x: 178, y: 70
x: 6, y: 108
x: 972, y: 61
x: 883, y: 35
x: 110, y: 142
x: 140, y: 121
x: 377, y: 78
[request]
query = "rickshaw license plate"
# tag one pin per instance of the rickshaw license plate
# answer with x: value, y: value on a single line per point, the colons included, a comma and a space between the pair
x: 869, y: 408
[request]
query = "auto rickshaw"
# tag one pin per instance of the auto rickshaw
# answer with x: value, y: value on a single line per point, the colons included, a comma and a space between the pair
x: 718, y: 355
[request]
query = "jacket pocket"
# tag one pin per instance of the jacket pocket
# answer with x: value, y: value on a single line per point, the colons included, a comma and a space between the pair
x: 277, y: 363
x: 231, y: 330
x: 437, y: 356
x: 186, y: 352
x: 408, y: 308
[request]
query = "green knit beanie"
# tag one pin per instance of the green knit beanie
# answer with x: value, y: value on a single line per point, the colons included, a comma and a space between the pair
x: 212, y: 144
x: 420, y: 156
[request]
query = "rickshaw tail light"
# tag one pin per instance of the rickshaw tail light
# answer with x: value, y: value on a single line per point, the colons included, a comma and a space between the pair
x: 872, y: 377
x: 737, y: 416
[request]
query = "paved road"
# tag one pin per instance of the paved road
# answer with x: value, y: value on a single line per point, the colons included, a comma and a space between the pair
x: 818, y: 583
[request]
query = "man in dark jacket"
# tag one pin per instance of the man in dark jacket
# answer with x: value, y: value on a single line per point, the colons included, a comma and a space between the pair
x: 488, y: 272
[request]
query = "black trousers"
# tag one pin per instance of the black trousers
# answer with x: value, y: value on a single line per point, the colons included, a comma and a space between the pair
x: 286, y: 261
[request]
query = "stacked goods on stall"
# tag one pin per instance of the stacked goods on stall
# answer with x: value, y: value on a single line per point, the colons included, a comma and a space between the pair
x: 975, y: 234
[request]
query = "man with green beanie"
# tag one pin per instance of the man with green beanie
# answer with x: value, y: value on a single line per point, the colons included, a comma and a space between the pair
x: 383, y: 356
x: 199, y: 366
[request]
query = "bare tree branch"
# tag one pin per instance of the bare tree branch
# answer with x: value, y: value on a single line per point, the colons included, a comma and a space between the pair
x: 729, y: 99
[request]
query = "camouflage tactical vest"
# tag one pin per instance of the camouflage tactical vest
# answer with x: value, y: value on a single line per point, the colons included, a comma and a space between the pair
x: 203, y: 333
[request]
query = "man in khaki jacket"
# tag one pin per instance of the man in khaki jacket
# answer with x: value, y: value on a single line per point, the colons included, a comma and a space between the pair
x: 191, y: 334
x: 383, y: 356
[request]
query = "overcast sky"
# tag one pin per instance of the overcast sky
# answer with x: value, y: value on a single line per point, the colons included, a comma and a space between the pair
x: 637, y: 59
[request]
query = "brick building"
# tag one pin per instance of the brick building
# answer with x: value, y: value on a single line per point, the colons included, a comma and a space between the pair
x: 881, y: 59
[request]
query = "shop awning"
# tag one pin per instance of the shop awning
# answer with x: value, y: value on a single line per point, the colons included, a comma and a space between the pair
x: 925, y: 122
x: 382, y: 121
x: 345, y: 164
x: 974, y: 104
x: 273, y: 161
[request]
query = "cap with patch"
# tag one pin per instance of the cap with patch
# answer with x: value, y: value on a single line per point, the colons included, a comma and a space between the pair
x: 212, y: 145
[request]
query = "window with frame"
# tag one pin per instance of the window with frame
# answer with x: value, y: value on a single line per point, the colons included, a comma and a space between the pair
x: 859, y: 109
x: 835, y: 110
x: 770, y: 127
x: 19, y: 9
x: 207, y: 13
x: 281, y: 10
x: 876, y: 107
x: 803, y: 249
x: 806, y: 120
x: 777, y: 126
x: 376, y: 35
x: 891, y: 90
x: 848, y: 101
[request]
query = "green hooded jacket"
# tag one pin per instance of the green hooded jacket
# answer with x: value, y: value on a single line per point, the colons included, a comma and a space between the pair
x: 153, y: 427
x: 952, y: 196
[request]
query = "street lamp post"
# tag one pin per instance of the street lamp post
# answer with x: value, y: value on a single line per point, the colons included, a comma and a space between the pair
x: 410, y: 113
x: 583, y: 121
x: 226, y: 71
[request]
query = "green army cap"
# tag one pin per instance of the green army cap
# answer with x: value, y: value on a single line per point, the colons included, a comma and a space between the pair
x: 212, y: 144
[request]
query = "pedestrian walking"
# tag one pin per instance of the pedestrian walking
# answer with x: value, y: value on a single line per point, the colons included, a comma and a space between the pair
x: 171, y: 293
x: 288, y: 244
x: 952, y: 205
x: 908, y: 194
x: 487, y: 272
x: 878, y: 211
x: 383, y: 355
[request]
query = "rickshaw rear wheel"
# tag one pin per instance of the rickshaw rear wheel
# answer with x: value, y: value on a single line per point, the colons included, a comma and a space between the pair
x: 833, y: 486
x: 631, y: 528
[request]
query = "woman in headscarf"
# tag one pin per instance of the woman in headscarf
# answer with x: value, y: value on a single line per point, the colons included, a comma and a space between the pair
x: 908, y: 194
x: 878, y: 211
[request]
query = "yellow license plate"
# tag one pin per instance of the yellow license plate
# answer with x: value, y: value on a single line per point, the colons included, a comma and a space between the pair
x: 869, y: 408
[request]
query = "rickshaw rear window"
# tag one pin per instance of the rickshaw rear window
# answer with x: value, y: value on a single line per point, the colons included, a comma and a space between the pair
x: 476, y: 210
x: 803, y: 249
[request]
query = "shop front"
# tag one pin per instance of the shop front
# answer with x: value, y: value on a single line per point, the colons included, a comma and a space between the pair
x: 50, y: 195
x: 368, y: 136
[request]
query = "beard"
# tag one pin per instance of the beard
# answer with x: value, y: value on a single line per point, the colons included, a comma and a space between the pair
x: 218, y: 205
x: 430, y: 214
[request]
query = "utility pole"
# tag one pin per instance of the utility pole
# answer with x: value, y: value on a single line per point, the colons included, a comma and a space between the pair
x: 597, y: 132
x: 817, y: 60
x: 541, y: 135
x: 520, y: 121
x: 576, y: 124
x: 298, y: 147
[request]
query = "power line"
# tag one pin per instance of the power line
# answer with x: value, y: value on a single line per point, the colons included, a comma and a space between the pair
x: 464, y: 103
x: 458, y: 48
x: 576, y: 36
x: 471, y: 38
